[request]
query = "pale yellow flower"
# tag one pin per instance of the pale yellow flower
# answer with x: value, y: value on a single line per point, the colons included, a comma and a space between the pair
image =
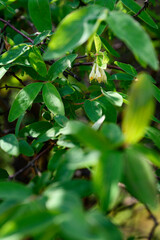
x: 97, y: 73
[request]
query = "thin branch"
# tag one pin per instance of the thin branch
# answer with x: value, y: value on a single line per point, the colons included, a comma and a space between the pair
x: 92, y: 99
x: 20, y: 80
x: 80, y: 57
x: 7, y: 87
x: 91, y: 63
x: 72, y: 74
x: 31, y: 163
x: 15, y: 29
x: 145, y: 6
x: 151, y: 234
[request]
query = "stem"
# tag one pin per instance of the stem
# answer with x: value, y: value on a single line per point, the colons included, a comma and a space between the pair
x: 7, y: 87
x: 15, y: 29
x: 93, y: 99
x: 31, y: 163
x: 146, y: 4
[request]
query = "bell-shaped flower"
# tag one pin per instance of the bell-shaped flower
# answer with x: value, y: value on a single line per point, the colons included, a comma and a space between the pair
x: 98, y: 74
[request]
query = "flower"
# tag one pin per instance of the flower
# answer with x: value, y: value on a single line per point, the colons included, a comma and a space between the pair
x: 97, y: 73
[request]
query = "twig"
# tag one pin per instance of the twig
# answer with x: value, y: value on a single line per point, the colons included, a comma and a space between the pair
x: 146, y: 4
x: 20, y: 80
x: 91, y: 63
x: 15, y: 29
x: 31, y: 163
x: 72, y: 74
x: 7, y: 87
x: 155, y: 223
x: 93, y: 99
x: 79, y: 57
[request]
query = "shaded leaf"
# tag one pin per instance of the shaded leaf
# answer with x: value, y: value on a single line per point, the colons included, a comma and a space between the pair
x: 40, y: 14
x: 134, y: 36
x: 23, y: 100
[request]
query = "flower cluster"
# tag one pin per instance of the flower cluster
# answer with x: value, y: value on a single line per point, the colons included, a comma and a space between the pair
x: 98, y: 74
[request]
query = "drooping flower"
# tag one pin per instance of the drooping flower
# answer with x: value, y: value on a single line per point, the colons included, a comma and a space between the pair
x: 97, y: 73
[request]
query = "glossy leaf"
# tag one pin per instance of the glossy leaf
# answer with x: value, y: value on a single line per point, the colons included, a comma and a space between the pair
x: 133, y: 35
x: 52, y: 99
x: 60, y: 65
x: 127, y: 68
x: 134, y: 7
x: 74, y: 30
x: 42, y: 36
x: 113, y: 97
x: 3, y: 71
x: 40, y: 14
x: 35, y: 129
x: 93, y: 110
x: 23, y: 100
x: 37, y: 62
x: 12, y: 54
x: 139, y: 177
x: 138, y: 113
x: 9, y: 144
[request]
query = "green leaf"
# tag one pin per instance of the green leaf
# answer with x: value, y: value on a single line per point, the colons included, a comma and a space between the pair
x: 127, y: 68
x: 13, y: 190
x: 23, y: 100
x: 134, y: 36
x: 154, y: 135
x: 37, y: 62
x: 156, y: 93
x: 35, y: 129
x: 40, y: 14
x: 32, y: 222
x: 42, y: 36
x: 3, y: 71
x: 105, y: 180
x: 113, y: 97
x: 89, y: 138
x: 93, y: 110
x: 13, y: 54
x: 138, y: 113
x: 108, y: 4
x: 139, y: 177
x: 59, y: 66
x: 74, y: 30
x: 97, y: 42
x: 52, y: 99
x: 109, y: 48
x: 3, y: 174
x: 134, y: 7
x: 82, y: 160
x: 9, y: 144
x: 113, y: 133
x: 25, y: 148
x: 102, y: 227
x: 121, y: 77
x: 108, y: 109
x: 61, y: 120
